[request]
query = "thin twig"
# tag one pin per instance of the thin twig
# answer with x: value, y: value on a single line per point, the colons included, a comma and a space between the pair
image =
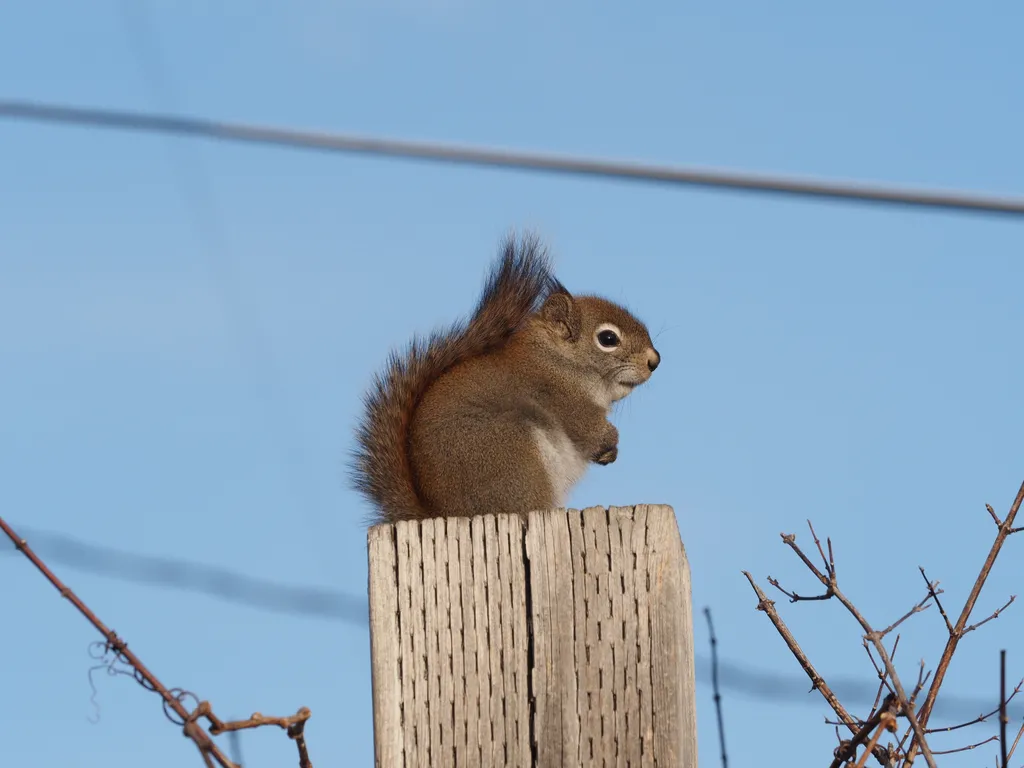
x: 916, y: 609
x: 847, y: 750
x: 829, y: 563
x: 715, y: 688
x: 979, y: 718
x: 1005, y: 528
x: 883, y: 683
x: 173, y: 699
x: 935, y: 597
x: 1016, y: 741
x: 995, y: 615
x: 887, y: 723
x: 817, y: 681
x: 876, y: 639
x: 922, y: 681
x: 967, y: 748
x: 203, y: 742
x: 793, y: 596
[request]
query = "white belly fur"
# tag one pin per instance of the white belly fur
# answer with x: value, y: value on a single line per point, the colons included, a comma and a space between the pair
x: 564, y: 464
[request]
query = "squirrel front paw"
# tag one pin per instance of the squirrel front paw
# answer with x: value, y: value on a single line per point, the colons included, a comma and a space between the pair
x: 608, y: 449
x: 607, y: 456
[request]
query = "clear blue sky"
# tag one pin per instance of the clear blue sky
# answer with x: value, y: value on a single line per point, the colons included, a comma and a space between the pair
x: 186, y: 328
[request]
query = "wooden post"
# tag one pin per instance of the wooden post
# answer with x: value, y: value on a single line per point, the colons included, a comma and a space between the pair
x: 564, y: 641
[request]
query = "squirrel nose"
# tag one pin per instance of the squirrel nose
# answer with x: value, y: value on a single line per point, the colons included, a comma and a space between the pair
x: 653, y: 359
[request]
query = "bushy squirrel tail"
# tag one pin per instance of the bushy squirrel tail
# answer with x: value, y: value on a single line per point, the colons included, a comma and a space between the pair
x: 382, y: 469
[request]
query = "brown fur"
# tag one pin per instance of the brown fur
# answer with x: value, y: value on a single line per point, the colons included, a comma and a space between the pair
x: 451, y: 427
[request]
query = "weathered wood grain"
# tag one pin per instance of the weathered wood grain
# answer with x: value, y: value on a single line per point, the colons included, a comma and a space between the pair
x: 562, y: 640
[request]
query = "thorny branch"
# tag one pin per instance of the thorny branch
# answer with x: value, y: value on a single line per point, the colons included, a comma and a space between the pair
x: 115, y: 651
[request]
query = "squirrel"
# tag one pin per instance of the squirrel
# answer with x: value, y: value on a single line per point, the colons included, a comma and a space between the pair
x: 503, y: 413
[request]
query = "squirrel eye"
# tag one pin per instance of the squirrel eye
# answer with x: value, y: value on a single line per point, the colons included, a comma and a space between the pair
x: 608, y: 339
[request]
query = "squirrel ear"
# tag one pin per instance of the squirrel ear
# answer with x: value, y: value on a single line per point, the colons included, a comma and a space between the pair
x: 561, y: 311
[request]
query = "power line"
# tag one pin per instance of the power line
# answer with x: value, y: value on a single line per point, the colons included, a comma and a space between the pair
x: 337, y: 605
x: 481, y: 156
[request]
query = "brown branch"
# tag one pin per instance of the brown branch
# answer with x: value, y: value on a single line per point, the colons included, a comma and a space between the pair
x: 257, y: 720
x: 847, y: 750
x: 794, y: 597
x: 830, y: 563
x: 887, y: 723
x: 935, y: 597
x: 297, y: 733
x: 876, y: 639
x: 916, y: 609
x: 883, y: 683
x: 294, y: 725
x: 922, y: 681
x: 1005, y: 528
x: 967, y: 748
x: 1016, y: 741
x: 817, y: 681
x: 995, y: 615
x: 979, y: 718
x: 172, y: 698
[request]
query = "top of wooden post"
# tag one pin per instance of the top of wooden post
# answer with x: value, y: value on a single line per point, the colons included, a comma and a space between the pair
x: 565, y: 639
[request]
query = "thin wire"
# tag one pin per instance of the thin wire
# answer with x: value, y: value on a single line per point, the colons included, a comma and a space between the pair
x: 950, y: 200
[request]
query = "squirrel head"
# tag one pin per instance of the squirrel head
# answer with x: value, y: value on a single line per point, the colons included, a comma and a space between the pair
x: 607, y: 347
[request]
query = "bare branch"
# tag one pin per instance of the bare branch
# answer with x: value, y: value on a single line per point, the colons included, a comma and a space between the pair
x: 935, y: 592
x: 967, y: 748
x: 847, y: 750
x: 979, y: 718
x: 115, y: 652
x: 922, y: 681
x: 995, y: 615
x: 793, y: 596
x: 887, y: 723
x: 916, y: 609
x: 1016, y: 741
x: 790, y: 540
x: 817, y: 681
x: 876, y: 639
x: 829, y: 562
x: 1005, y: 527
x: 995, y: 517
x: 257, y: 720
x: 883, y: 683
